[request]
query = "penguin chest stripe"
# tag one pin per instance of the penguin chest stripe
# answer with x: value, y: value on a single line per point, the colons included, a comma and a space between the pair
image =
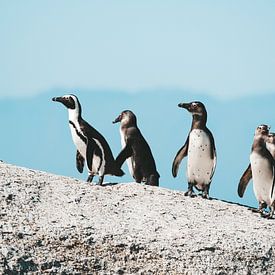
x: 81, y: 136
x: 81, y: 143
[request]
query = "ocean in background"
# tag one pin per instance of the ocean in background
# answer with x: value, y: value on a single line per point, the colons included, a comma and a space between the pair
x: 35, y: 133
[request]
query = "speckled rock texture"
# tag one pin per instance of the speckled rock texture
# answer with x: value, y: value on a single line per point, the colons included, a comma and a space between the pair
x: 53, y: 224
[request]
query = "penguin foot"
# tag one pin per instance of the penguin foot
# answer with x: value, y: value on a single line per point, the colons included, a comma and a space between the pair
x: 267, y: 215
x: 90, y: 178
x: 264, y: 214
x: 190, y: 193
x: 100, y: 181
x: 260, y: 209
x: 205, y: 196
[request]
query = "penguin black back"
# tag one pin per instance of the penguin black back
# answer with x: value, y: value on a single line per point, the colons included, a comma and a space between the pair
x: 140, y: 161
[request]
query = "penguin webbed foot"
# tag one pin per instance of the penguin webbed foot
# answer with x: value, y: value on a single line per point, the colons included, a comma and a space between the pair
x: 267, y: 215
x: 260, y: 209
x: 205, y: 192
x: 100, y: 181
x: 205, y: 195
x: 90, y: 178
x: 190, y: 192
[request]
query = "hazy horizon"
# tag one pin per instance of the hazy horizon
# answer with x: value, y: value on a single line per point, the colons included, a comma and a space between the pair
x: 146, y: 56
x: 37, y: 133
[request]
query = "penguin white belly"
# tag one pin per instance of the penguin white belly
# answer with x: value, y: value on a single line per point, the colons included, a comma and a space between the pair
x: 199, y: 162
x: 262, y: 175
x: 129, y: 160
x: 82, y: 148
x: 79, y: 143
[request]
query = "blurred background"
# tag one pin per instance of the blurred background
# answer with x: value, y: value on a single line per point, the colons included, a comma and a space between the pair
x: 146, y: 56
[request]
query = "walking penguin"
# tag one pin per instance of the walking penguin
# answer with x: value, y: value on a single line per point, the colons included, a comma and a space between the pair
x: 200, y: 151
x: 136, y: 150
x: 91, y: 145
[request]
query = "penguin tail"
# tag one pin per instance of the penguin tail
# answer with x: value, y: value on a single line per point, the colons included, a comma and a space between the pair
x: 118, y: 172
x: 153, y: 180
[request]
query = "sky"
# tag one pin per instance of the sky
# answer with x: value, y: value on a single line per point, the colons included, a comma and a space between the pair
x: 219, y: 48
x: 146, y: 56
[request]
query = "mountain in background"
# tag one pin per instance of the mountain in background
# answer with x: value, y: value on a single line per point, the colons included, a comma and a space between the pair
x: 35, y: 133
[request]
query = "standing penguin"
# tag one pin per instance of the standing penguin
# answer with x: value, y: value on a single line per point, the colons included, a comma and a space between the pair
x: 261, y: 170
x: 200, y: 149
x: 270, y: 144
x: 136, y: 150
x: 91, y: 145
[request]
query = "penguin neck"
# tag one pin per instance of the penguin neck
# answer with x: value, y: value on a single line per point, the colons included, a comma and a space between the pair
x: 124, y: 126
x: 259, y: 145
x: 199, y: 121
x: 75, y: 114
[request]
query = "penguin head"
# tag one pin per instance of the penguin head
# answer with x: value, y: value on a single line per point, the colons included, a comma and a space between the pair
x: 262, y: 130
x: 126, y: 118
x: 271, y: 138
x: 70, y: 101
x: 195, y: 107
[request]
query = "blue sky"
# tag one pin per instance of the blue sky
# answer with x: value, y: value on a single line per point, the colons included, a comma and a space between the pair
x: 221, y: 48
x: 146, y: 56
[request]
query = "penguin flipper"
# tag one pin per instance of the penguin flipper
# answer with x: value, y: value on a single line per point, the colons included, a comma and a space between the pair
x: 212, y: 142
x: 123, y: 155
x: 273, y: 185
x: 178, y: 158
x: 214, y: 161
x: 79, y: 162
x: 246, y: 177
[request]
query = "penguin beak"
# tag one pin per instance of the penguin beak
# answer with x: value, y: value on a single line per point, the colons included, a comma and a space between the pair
x: 184, y: 105
x: 58, y: 99
x: 118, y: 119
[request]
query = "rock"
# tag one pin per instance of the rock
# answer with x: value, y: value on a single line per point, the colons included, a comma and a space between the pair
x: 56, y: 224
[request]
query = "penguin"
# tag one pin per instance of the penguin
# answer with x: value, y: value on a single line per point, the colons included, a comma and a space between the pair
x: 261, y: 169
x: 91, y: 146
x: 200, y: 150
x: 136, y: 150
x: 270, y: 144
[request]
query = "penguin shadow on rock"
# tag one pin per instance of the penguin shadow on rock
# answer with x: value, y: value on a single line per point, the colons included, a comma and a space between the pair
x: 200, y: 150
x: 261, y: 170
x: 92, y: 147
x: 136, y: 151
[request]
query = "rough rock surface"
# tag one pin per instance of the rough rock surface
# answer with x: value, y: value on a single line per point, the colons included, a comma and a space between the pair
x: 54, y: 224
